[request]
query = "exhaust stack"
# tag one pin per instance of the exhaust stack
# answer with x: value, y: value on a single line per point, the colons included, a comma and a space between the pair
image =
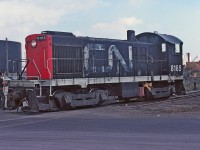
x: 131, y: 35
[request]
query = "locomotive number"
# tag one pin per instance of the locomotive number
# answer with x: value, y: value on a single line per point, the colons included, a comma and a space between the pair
x: 41, y: 38
x: 176, y: 68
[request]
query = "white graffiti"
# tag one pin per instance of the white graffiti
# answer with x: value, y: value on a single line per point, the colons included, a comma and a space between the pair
x: 112, y: 51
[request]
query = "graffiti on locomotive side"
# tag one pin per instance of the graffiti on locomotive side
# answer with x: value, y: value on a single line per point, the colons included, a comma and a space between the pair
x: 92, y: 64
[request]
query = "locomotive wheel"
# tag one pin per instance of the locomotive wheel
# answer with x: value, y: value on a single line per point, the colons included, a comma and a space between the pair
x: 62, y: 99
x: 68, y: 99
x: 98, y: 93
x: 95, y: 90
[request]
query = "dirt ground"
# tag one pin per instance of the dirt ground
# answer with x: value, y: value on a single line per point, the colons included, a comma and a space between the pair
x: 182, y: 108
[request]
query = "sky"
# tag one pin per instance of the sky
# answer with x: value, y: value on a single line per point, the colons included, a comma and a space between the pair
x: 103, y: 18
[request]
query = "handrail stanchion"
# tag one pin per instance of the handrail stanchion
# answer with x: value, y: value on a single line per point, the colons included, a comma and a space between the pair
x: 39, y: 78
x: 50, y: 87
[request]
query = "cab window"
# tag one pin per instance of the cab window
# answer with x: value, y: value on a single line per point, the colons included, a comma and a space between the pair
x: 177, y: 48
x: 163, y: 47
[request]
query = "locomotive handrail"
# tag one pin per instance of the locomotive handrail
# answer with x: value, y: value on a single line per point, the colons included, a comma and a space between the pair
x: 50, y: 87
x: 20, y: 75
x: 18, y: 72
x: 39, y: 76
x: 152, y: 69
x: 73, y: 72
x: 50, y: 71
x: 48, y: 67
x: 37, y: 68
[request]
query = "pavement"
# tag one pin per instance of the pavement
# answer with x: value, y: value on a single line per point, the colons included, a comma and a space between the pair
x: 99, y: 128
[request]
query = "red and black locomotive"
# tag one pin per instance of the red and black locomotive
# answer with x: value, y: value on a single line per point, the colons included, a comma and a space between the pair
x: 65, y: 71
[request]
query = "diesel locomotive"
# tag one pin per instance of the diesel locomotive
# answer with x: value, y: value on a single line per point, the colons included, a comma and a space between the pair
x: 64, y: 71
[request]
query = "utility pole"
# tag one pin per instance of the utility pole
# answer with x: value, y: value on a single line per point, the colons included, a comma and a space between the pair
x: 6, y: 70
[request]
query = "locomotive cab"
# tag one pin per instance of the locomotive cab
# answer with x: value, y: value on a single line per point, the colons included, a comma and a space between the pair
x: 169, y: 56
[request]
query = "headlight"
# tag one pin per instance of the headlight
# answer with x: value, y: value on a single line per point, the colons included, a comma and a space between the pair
x: 33, y: 43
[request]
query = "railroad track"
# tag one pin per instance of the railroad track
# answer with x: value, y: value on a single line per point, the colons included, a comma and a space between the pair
x: 188, y: 95
x: 188, y: 102
x: 175, y: 100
